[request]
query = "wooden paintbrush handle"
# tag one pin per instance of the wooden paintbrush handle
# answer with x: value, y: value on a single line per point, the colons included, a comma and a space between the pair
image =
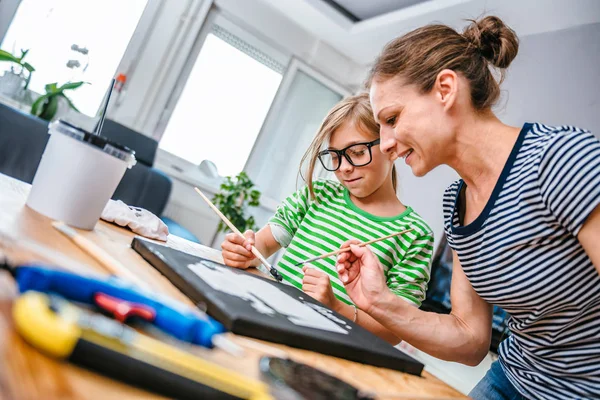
x: 227, y: 222
x: 346, y: 249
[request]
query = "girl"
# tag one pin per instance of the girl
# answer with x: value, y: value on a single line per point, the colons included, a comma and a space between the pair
x: 324, y: 214
x: 523, y: 220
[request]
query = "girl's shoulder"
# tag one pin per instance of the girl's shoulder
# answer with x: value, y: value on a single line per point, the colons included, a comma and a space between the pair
x: 327, y: 187
x: 418, y: 223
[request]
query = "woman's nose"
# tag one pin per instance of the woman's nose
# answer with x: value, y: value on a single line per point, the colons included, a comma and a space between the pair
x: 387, y: 142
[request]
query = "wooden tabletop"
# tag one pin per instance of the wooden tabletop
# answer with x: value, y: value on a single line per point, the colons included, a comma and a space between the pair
x: 27, y: 236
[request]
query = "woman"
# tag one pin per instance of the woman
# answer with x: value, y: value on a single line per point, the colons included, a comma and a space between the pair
x: 523, y: 221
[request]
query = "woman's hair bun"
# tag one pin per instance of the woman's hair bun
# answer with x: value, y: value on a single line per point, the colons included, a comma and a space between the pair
x: 496, y: 42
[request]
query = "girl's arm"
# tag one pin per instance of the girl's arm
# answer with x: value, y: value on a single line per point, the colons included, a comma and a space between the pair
x: 317, y: 285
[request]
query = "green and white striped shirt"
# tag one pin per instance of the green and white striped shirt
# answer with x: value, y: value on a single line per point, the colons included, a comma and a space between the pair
x: 322, y: 225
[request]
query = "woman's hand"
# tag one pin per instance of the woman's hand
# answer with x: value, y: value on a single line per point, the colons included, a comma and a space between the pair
x: 237, y: 252
x: 362, y: 275
x: 316, y: 284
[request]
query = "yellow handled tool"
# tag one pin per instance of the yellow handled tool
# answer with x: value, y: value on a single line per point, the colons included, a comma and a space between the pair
x: 63, y: 330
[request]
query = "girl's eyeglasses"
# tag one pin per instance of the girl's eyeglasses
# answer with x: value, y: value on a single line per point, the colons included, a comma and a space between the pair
x: 358, y: 155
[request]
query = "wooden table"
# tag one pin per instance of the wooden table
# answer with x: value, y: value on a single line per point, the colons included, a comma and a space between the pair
x: 27, y: 374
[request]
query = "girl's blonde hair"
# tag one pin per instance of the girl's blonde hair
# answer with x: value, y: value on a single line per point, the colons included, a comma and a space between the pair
x: 356, y: 109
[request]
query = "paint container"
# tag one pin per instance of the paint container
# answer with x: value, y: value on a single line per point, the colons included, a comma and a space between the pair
x: 78, y: 174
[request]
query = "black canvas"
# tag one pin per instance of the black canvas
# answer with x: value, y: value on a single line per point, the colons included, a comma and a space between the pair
x: 246, y: 316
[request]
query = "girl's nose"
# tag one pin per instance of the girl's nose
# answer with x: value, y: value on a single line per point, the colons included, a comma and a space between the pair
x: 345, y: 165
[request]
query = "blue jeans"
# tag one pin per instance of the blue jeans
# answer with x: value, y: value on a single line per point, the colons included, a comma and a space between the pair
x: 495, y: 386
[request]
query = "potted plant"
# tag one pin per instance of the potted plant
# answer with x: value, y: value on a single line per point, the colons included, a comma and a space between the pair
x: 46, y: 106
x: 15, y: 81
x: 236, y: 194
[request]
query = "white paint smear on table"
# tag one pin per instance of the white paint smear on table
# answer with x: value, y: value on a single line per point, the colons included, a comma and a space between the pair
x: 264, y: 297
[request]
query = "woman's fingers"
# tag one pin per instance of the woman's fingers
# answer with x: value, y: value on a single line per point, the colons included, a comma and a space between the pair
x: 365, y: 255
x: 347, y: 255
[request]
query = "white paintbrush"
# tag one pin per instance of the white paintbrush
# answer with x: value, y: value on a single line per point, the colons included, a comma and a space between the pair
x: 235, y: 230
x: 99, y: 254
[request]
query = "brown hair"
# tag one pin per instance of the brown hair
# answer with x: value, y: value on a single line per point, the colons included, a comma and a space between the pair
x: 356, y: 109
x: 420, y: 55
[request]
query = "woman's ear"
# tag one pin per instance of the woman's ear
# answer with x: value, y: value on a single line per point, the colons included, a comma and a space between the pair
x: 446, y: 88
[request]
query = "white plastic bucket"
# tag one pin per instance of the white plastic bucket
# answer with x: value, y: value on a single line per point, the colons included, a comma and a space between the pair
x: 78, y: 174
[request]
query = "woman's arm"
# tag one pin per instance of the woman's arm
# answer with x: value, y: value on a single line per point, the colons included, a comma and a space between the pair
x: 589, y: 237
x: 367, y: 322
x: 463, y: 336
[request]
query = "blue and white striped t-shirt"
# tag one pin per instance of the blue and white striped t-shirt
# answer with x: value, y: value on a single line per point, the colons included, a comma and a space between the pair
x: 523, y: 255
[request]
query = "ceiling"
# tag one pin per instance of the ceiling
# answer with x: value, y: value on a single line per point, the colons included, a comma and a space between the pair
x: 379, y: 21
x: 360, y: 10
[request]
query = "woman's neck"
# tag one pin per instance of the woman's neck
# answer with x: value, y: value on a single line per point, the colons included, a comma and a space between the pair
x: 383, y: 202
x: 483, y: 145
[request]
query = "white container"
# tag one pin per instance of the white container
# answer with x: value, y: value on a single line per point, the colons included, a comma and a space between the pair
x: 77, y: 175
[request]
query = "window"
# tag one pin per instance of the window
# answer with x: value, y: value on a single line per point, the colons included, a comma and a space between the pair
x: 223, y: 104
x: 305, y: 99
x: 50, y: 28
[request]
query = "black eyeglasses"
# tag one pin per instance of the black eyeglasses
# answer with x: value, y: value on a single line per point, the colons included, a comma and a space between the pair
x: 358, y: 155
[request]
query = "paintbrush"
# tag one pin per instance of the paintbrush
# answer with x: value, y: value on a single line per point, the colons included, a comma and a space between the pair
x: 235, y: 230
x: 104, y: 109
x: 99, y: 254
x: 345, y: 249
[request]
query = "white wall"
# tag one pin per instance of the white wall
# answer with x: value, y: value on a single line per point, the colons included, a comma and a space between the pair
x: 424, y: 194
x: 555, y: 79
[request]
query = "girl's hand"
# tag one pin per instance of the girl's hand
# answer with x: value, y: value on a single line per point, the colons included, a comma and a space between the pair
x: 316, y: 284
x: 237, y: 252
x: 362, y: 275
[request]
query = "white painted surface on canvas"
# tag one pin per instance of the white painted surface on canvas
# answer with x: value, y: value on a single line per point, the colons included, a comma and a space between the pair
x: 264, y: 297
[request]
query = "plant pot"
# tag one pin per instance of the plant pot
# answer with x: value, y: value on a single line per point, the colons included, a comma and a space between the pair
x: 11, y: 84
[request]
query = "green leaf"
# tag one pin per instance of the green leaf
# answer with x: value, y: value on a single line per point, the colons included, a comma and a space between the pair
x: 36, y: 106
x: 27, y: 81
x: 71, y: 85
x: 28, y: 67
x: 23, y: 54
x: 51, y: 88
x: 69, y: 101
x: 49, y: 108
x: 235, y: 195
x: 6, y: 56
